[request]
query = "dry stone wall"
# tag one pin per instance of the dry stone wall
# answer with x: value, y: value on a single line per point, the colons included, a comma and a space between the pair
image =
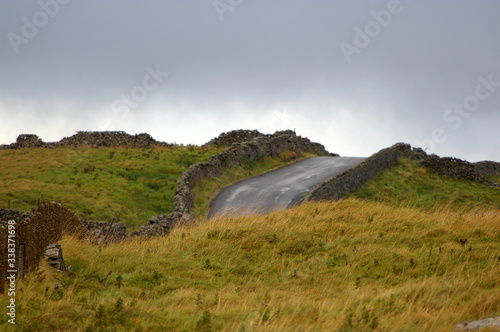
x: 354, y: 178
x: 487, y: 168
x: 105, y: 232
x: 28, y: 141
x: 93, y: 139
x: 37, y: 229
x: 453, y: 167
x: 257, y: 148
x: 53, y: 254
x: 33, y: 233
x: 8, y: 214
x: 248, y: 145
x: 107, y: 139
x: 235, y: 136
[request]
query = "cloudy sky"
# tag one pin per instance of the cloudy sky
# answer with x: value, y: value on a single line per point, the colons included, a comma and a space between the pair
x: 356, y: 76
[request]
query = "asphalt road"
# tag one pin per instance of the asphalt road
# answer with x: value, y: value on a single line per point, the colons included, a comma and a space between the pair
x: 278, y: 189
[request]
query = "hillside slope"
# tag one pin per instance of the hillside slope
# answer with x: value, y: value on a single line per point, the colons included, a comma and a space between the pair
x: 97, y: 183
x: 102, y: 175
x: 347, y: 266
x: 410, y: 184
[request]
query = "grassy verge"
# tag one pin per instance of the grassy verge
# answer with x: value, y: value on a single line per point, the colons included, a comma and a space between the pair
x: 208, y: 188
x: 407, y: 184
x: 348, y: 266
x: 98, y: 183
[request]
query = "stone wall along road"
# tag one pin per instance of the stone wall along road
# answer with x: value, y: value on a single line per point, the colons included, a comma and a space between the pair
x: 278, y: 189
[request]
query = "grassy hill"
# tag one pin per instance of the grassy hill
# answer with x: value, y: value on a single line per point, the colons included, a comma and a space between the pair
x: 348, y: 266
x: 409, y: 184
x: 410, y: 251
x: 97, y: 183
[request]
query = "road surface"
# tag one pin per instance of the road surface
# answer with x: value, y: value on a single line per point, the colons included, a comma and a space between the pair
x: 278, y: 189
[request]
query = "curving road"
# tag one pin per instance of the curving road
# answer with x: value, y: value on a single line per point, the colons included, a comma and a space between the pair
x: 278, y: 189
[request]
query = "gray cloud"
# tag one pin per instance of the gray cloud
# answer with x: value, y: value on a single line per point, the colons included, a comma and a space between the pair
x: 268, y: 65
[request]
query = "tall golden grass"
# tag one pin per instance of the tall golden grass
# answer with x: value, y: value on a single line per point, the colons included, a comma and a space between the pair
x: 347, y: 266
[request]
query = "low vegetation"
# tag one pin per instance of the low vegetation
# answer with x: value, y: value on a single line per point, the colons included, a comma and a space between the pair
x: 98, y: 183
x: 408, y: 184
x: 347, y: 266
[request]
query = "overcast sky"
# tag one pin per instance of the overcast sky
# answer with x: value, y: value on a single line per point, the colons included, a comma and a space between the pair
x: 356, y: 76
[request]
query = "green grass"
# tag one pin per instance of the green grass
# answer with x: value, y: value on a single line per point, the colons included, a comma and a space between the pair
x: 98, y: 183
x: 208, y: 188
x: 407, y: 184
x: 347, y: 266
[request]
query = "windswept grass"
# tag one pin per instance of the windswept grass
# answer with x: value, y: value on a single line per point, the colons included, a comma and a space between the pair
x: 348, y: 266
x: 97, y: 183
